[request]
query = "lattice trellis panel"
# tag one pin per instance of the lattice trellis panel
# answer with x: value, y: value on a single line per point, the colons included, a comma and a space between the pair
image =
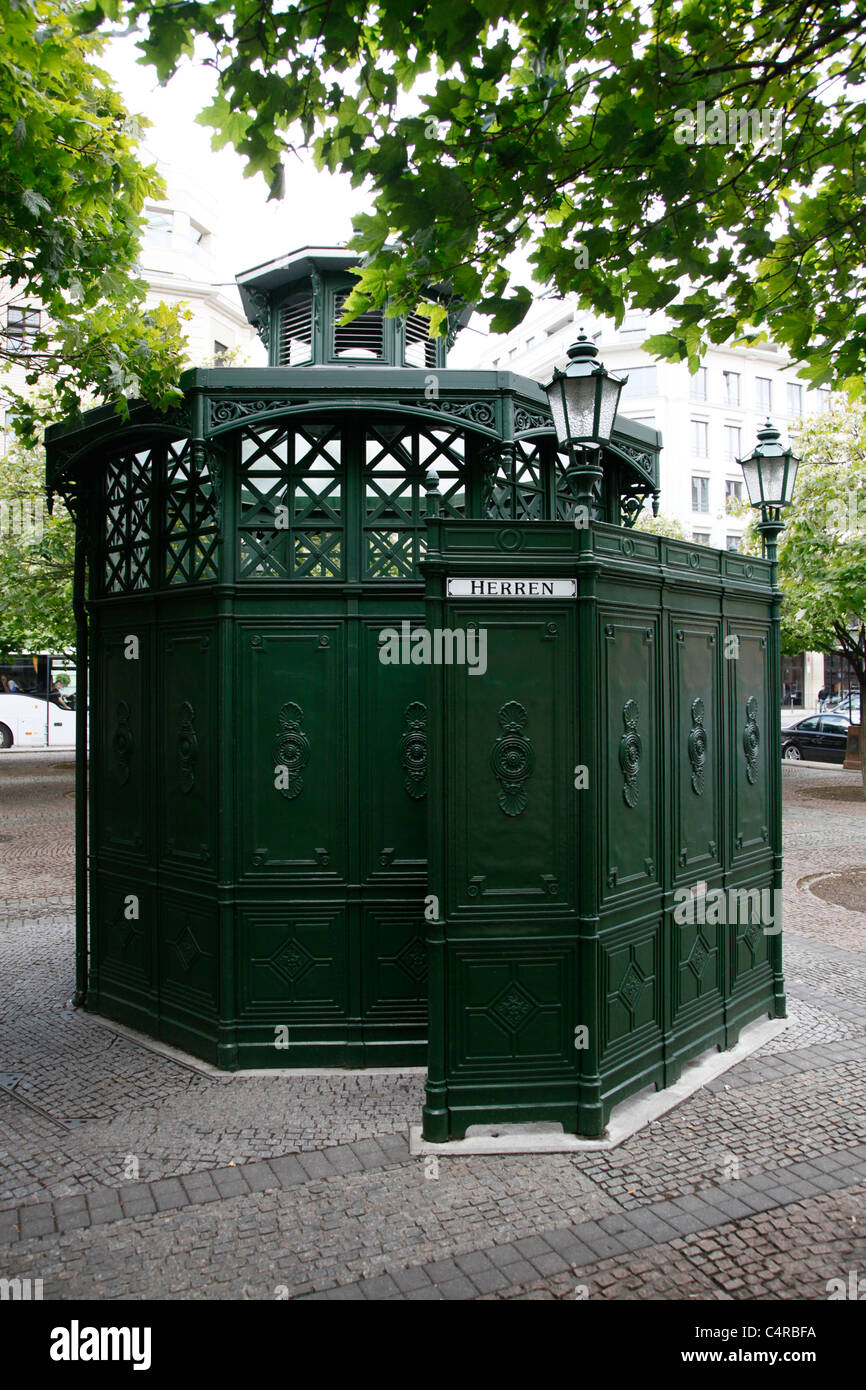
x: 128, y: 522
x: 564, y: 488
x: 515, y: 489
x: 291, y: 503
x: 396, y: 462
x: 189, y: 515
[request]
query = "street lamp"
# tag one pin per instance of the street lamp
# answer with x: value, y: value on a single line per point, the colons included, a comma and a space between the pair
x: 770, y: 472
x: 584, y: 397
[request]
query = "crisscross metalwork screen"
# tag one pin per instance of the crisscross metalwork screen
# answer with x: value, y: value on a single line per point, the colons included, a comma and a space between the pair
x: 291, y: 503
x: 295, y: 479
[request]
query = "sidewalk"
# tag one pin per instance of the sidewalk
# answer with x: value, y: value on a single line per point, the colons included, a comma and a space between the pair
x: 128, y: 1173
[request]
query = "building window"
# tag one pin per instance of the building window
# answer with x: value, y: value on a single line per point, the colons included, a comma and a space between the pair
x: 158, y: 228
x: 698, y: 385
x: 764, y: 393
x: 732, y: 442
x: 700, y: 439
x: 634, y: 325
x: 700, y: 494
x: 641, y: 381
x: 732, y: 387
x: 8, y: 424
x: 824, y: 397
x: 220, y: 351
x: 529, y: 342
x: 732, y: 542
x: 795, y: 398
x: 701, y: 537
x: 733, y: 490
x: 22, y: 325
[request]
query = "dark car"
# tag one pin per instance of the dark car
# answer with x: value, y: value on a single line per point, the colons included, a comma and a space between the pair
x: 822, y: 738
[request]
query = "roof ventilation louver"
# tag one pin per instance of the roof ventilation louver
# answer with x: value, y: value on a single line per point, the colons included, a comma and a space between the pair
x: 363, y: 337
x: 295, y: 334
x: 420, y: 347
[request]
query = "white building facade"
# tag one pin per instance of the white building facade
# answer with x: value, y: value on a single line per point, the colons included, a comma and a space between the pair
x: 183, y: 263
x: 707, y: 421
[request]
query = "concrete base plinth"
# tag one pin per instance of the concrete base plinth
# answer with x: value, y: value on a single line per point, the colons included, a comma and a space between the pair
x: 628, y: 1118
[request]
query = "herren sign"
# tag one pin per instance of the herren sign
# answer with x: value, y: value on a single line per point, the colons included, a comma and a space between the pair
x: 512, y: 588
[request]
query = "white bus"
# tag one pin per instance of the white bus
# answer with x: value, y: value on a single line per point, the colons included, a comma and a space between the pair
x: 37, y: 702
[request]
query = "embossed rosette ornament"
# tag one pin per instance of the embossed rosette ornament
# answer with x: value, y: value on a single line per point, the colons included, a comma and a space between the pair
x: 512, y: 758
x: 293, y: 749
x: 630, y: 750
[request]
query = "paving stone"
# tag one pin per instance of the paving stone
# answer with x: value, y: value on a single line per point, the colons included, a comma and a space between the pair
x: 599, y: 1241
x: 259, y: 1177
x: 78, y: 1202
x: 551, y: 1263
x: 229, y: 1182
x: 382, y: 1286
x: 341, y: 1159
x: 139, y: 1206
x: 456, y: 1289
x: 287, y: 1170
x: 168, y: 1193
x: 531, y: 1246
x: 520, y: 1272
x: 412, y: 1278
x: 474, y: 1262
x: 490, y: 1280
x: 200, y: 1187
x: 71, y: 1220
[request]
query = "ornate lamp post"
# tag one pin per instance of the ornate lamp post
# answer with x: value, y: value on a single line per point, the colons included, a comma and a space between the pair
x: 584, y: 397
x: 770, y: 472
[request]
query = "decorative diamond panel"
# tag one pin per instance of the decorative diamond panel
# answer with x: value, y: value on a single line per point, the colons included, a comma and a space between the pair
x: 752, y: 937
x: 632, y: 986
x: 187, y: 948
x: 698, y: 956
x: 413, y: 959
x: 292, y: 960
x: 513, y: 1008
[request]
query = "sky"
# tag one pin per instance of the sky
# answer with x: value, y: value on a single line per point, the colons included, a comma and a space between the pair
x: 317, y: 208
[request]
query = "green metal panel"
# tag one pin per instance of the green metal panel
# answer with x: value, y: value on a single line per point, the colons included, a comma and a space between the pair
x: 670, y: 722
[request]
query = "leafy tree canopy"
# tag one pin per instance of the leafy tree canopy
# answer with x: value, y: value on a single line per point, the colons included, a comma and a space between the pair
x: 565, y: 132
x: 36, y: 558
x: 71, y: 196
x: 822, y: 555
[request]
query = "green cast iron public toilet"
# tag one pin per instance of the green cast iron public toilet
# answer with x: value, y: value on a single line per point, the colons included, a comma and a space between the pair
x: 296, y: 844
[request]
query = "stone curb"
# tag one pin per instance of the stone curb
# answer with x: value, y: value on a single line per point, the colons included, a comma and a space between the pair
x: 514, y: 1263
x: 109, y: 1204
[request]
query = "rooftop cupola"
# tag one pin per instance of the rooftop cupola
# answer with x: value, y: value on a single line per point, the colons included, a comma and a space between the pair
x: 295, y: 304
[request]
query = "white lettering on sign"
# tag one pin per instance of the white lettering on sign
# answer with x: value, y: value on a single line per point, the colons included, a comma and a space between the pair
x: 512, y: 588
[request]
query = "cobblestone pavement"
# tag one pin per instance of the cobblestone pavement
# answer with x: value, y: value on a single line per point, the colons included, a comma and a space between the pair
x: 126, y: 1172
